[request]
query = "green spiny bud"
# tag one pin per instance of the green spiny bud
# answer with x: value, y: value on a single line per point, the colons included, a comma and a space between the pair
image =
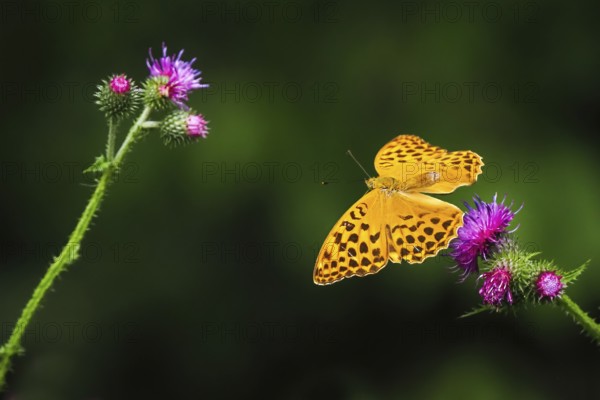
x: 183, y: 127
x: 118, y: 96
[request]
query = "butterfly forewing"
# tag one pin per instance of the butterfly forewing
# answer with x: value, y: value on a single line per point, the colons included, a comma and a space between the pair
x: 407, y: 156
x: 355, y: 245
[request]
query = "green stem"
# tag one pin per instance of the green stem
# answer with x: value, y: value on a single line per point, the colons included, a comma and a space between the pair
x: 112, y: 135
x: 132, y: 135
x: 591, y: 327
x: 70, y: 251
x: 151, y: 124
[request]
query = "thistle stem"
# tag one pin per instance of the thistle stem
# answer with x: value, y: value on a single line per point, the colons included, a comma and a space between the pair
x: 591, y: 327
x: 70, y: 252
x: 112, y: 136
x: 132, y: 135
x: 151, y: 124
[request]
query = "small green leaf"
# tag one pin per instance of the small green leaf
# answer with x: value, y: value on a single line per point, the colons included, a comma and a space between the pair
x: 98, y: 166
x: 571, y: 276
x: 478, y: 310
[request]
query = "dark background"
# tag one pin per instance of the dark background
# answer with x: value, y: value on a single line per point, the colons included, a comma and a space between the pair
x: 195, y: 280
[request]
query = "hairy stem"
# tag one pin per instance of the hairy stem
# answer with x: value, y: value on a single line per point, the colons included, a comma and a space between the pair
x: 591, y: 327
x: 70, y: 252
x: 112, y: 135
x: 151, y: 124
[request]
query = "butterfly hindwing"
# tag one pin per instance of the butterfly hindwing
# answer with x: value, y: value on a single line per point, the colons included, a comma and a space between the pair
x: 419, y: 226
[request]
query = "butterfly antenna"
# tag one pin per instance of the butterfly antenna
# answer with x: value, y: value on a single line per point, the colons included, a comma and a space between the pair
x: 359, y: 164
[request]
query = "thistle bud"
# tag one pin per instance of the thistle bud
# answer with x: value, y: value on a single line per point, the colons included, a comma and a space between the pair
x: 496, y: 286
x: 183, y: 127
x: 117, y: 97
x: 549, y: 285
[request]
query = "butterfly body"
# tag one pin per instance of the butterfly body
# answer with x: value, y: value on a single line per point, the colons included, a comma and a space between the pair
x: 395, y: 221
x: 391, y: 184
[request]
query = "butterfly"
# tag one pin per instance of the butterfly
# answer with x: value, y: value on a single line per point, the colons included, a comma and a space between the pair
x: 395, y: 220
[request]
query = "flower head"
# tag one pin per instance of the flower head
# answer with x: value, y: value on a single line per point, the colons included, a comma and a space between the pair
x: 196, y: 126
x: 119, y: 84
x: 483, y: 228
x: 496, y: 286
x: 549, y: 284
x: 177, y: 77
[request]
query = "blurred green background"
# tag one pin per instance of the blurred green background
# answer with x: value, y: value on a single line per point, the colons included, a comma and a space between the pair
x: 196, y: 278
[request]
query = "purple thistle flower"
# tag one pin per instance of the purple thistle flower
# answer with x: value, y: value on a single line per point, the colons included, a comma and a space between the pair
x: 496, y: 286
x: 196, y: 126
x: 483, y: 228
x: 119, y: 84
x: 181, y: 77
x: 548, y: 284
